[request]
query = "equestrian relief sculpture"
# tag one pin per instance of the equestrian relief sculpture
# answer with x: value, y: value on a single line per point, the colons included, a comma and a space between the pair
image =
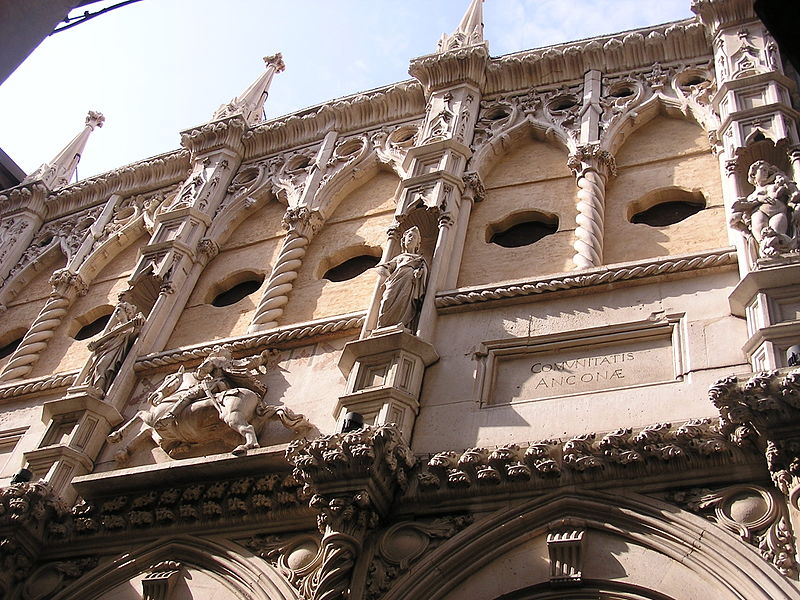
x: 222, y: 395
x: 404, y: 287
x: 771, y: 213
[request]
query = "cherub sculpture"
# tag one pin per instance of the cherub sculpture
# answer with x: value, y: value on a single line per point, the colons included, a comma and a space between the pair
x: 770, y: 214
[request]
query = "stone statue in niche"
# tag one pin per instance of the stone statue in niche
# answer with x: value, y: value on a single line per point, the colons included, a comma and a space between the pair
x: 771, y: 213
x: 222, y: 396
x: 404, y: 287
x: 110, y: 349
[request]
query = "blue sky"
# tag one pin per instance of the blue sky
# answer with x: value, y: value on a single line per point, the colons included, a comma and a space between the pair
x: 157, y: 67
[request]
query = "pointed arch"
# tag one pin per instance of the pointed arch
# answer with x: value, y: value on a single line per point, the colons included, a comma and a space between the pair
x: 510, y: 137
x: 636, y: 117
x: 19, y: 280
x: 110, y: 248
x: 664, y: 535
x: 246, y: 574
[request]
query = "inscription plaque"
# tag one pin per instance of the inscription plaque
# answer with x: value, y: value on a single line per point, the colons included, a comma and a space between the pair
x: 518, y: 371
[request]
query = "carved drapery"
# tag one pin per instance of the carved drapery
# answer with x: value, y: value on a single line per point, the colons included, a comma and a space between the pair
x: 302, y: 224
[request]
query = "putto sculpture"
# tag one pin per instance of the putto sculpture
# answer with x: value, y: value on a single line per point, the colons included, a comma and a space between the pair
x: 221, y: 395
x: 771, y: 213
x: 404, y: 287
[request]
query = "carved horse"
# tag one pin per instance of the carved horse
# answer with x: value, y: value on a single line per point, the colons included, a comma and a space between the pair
x: 205, y: 419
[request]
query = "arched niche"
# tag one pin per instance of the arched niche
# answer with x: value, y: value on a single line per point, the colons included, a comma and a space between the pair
x: 666, y: 161
x: 222, y: 569
x: 531, y: 177
x: 248, y: 253
x: 631, y: 542
x: 360, y: 220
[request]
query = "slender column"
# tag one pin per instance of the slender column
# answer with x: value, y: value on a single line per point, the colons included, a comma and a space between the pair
x: 66, y: 287
x: 391, y: 249
x: 302, y: 224
x: 441, y: 252
x: 591, y: 166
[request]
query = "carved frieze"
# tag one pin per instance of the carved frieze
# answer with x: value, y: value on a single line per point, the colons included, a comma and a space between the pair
x: 656, y: 448
x: 192, y: 505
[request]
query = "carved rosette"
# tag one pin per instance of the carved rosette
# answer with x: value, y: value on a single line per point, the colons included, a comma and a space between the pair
x: 374, y: 462
x: 302, y: 224
x: 764, y: 412
x: 592, y: 167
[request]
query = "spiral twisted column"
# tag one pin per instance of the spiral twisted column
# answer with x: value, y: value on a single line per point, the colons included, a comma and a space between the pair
x: 66, y: 287
x: 301, y: 223
x: 592, y: 167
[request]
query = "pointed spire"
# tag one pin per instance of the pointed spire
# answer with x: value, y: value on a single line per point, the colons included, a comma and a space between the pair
x: 251, y: 103
x: 469, y: 32
x: 59, y: 171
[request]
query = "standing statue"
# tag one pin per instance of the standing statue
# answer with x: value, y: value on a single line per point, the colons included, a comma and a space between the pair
x: 221, y: 396
x: 404, y: 287
x: 111, y: 347
x: 771, y: 213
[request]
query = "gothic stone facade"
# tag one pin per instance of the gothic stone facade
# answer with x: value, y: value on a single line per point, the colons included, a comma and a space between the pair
x: 558, y: 285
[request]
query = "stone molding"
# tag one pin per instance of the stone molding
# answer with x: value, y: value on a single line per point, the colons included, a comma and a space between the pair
x: 680, y: 40
x: 41, y: 384
x: 396, y: 102
x: 723, y: 257
x: 188, y: 506
x: 463, y: 65
x: 665, y: 451
x: 277, y: 337
x: 214, y: 136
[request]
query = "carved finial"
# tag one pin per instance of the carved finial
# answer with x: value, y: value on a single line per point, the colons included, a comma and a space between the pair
x: 469, y: 32
x: 58, y: 172
x: 250, y: 104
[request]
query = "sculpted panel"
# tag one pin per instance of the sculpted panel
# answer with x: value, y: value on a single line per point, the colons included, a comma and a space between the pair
x: 221, y: 396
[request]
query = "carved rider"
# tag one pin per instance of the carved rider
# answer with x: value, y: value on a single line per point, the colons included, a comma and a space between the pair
x: 216, y: 375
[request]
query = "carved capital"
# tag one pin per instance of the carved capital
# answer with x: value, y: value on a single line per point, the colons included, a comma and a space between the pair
x: 565, y: 543
x: 65, y: 282
x: 375, y: 459
x: 159, y: 581
x: 208, y: 249
x: 473, y: 185
x: 764, y: 412
x: 591, y: 156
x: 302, y: 221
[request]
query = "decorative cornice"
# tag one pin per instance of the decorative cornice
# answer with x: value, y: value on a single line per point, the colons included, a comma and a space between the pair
x: 598, y: 276
x: 191, y: 505
x: 26, y: 196
x: 716, y: 14
x: 440, y: 71
x: 371, y: 462
x: 42, y: 384
x: 146, y: 175
x: 586, y: 459
x: 272, y: 339
x: 216, y: 135
x: 396, y: 102
x: 624, y: 51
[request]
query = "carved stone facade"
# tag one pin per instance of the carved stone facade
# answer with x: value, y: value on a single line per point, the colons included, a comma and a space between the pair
x: 515, y: 328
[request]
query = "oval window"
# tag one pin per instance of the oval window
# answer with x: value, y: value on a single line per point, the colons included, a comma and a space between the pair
x: 93, y: 328
x: 523, y: 233
x: 351, y: 268
x: 238, y: 292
